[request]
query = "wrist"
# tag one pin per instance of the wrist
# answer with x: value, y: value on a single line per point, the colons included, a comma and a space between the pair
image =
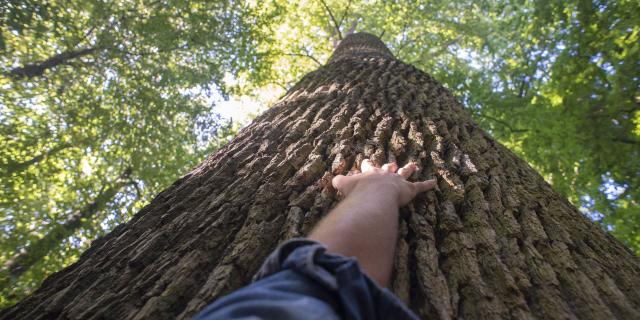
x: 383, y: 194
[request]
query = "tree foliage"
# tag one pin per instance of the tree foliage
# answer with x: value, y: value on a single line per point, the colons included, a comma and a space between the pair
x: 103, y: 104
x: 103, y: 95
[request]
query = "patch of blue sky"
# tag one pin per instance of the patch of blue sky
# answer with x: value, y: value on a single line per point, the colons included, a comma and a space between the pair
x: 611, y: 188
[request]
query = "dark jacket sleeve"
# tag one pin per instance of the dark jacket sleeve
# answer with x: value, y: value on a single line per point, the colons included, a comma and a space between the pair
x: 299, y: 280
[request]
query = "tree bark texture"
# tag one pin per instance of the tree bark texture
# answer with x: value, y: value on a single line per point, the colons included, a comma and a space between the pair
x: 494, y: 242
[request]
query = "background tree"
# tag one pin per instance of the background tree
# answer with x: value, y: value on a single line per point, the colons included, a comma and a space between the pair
x: 495, y: 242
x: 91, y: 90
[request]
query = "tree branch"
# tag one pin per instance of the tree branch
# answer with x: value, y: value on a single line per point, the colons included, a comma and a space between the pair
x: 502, y: 122
x: 627, y: 141
x: 284, y: 87
x: 345, y: 13
x: 353, y: 27
x: 445, y: 46
x: 135, y: 185
x: 17, y: 167
x: 333, y: 19
x: 306, y: 55
x: 522, y: 91
x: 37, y: 69
x: 403, y: 42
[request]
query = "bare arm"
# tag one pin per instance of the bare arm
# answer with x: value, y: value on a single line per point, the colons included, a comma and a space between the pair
x: 365, y: 223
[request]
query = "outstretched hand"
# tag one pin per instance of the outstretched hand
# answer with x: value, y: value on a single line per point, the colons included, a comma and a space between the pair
x: 385, y: 181
x: 365, y: 224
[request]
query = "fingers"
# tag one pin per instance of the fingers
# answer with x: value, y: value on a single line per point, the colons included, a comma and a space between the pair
x: 366, y: 166
x: 425, y: 185
x: 408, y: 170
x: 338, y: 181
x: 390, y: 167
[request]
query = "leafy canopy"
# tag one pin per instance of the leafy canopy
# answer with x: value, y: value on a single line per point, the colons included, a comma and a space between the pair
x: 116, y: 95
x: 102, y: 105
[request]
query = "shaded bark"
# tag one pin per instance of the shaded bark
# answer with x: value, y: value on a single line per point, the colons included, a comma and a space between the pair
x: 37, y: 69
x: 494, y: 242
x: 35, y: 251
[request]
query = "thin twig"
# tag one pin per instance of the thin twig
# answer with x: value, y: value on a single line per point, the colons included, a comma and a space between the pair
x: 403, y: 42
x: 345, y: 13
x: 444, y: 47
x: 522, y: 91
x: 502, y: 122
x: 626, y: 140
x: 354, y: 25
x: 86, y: 35
x: 333, y: 19
x: 280, y: 85
x: 307, y: 56
x: 135, y: 185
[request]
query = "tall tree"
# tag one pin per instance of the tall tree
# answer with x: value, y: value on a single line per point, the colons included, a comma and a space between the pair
x: 532, y: 73
x: 494, y: 242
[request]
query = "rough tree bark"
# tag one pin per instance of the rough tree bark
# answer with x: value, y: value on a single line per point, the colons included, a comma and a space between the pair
x: 495, y: 242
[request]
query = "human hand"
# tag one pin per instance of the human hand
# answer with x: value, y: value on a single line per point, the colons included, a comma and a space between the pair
x: 383, y: 182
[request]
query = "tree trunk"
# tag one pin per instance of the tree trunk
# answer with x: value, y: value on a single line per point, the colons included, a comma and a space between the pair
x: 35, y: 251
x: 495, y: 242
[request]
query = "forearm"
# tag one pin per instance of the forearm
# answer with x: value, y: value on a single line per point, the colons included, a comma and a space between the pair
x: 364, y: 225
